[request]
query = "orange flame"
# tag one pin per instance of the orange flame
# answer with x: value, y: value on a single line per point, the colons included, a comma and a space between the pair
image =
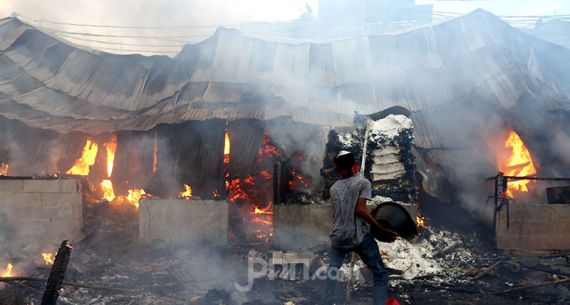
x: 111, y: 148
x: 237, y: 188
x: 266, y: 211
x: 420, y: 220
x: 4, y: 169
x: 8, y: 272
x: 266, y: 175
x: 108, y: 192
x: 134, y: 196
x: 268, y: 150
x: 48, y: 258
x: 81, y: 166
x: 518, y: 163
x: 187, y: 193
x: 155, y: 153
x: 298, y: 181
x: 227, y: 148
x: 255, y: 191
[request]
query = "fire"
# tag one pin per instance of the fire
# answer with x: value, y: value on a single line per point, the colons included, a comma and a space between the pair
x: 155, y: 153
x: 108, y: 193
x: 107, y: 184
x: 48, y: 258
x: 239, y: 189
x: 187, y: 193
x: 134, y: 196
x: 8, y: 272
x: 518, y: 163
x: 263, y: 217
x: 81, y: 166
x: 420, y: 220
x: 298, y: 181
x: 227, y: 148
x: 268, y: 150
x: 254, y: 193
x: 4, y: 169
x: 111, y: 148
x: 266, y: 175
x: 266, y: 211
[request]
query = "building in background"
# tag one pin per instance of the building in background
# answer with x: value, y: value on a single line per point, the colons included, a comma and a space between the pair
x: 347, y: 12
x: 346, y: 18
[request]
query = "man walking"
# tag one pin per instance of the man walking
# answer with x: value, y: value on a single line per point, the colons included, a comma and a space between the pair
x: 351, y: 226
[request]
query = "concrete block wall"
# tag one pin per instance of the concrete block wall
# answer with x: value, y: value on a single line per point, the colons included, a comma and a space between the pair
x: 41, y: 210
x: 179, y: 222
x: 534, y: 228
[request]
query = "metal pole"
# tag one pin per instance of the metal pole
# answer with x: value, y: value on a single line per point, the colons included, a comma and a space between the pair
x: 353, y: 257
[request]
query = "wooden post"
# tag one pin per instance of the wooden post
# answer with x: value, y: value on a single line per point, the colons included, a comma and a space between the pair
x: 57, y: 274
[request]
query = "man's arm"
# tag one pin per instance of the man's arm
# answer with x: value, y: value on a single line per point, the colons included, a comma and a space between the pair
x: 365, y: 214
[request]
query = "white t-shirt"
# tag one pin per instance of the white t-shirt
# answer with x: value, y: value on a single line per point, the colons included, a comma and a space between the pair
x: 348, y: 229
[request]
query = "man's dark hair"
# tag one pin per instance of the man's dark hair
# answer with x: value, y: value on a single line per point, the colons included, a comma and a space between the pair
x: 344, y: 161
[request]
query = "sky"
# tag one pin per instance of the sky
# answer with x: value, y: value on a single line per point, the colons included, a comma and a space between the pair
x: 211, y: 13
x: 158, y: 11
x: 184, y: 12
x: 503, y: 7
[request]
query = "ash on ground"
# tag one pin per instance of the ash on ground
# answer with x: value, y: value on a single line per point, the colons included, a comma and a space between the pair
x: 439, y: 267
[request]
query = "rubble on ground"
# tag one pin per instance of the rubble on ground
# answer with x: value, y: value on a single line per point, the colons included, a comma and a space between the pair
x: 439, y: 267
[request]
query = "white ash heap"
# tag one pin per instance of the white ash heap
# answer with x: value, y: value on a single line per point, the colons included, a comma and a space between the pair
x: 413, y: 259
x: 438, y: 255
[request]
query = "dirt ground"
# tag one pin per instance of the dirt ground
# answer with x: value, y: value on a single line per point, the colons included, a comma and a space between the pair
x: 111, y: 256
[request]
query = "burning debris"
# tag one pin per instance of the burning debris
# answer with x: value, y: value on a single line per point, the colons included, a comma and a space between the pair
x: 48, y: 258
x: 108, y: 192
x: 8, y: 271
x: 187, y: 193
x: 4, y: 169
x: 239, y: 151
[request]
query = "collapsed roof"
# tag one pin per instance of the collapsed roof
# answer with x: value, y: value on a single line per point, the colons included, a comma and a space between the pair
x: 454, y: 77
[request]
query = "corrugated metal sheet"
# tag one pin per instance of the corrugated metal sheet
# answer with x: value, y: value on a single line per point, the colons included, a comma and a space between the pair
x: 437, y: 72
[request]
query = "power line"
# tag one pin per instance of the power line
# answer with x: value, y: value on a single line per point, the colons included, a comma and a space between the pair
x: 435, y: 14
x: 55, y: 31
x: 120, y: 43
x: 138, y: 27
x: 127, y: 26
x: 136, y: 51
x: 518, y: 21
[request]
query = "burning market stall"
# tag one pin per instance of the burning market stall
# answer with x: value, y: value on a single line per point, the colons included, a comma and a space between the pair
x: 255, y: 127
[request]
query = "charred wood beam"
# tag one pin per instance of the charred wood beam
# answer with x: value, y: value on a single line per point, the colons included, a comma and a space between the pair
x: 35, y: 291
x: 526, y: 287
x: 277, y: 183
x: 488, y: 270
x: 530, y: 178
x: 57, y: 274
x: 69, y: 284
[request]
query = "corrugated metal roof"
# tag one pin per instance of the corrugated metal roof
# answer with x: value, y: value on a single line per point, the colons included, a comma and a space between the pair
x: 436, y: 72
